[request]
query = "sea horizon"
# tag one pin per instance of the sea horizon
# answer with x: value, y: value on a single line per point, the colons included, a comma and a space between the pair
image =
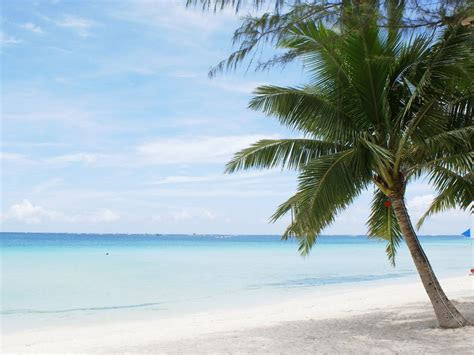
x: 208, y: 234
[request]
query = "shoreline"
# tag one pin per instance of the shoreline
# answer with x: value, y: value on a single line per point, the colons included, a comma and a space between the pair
x: 401, y: 306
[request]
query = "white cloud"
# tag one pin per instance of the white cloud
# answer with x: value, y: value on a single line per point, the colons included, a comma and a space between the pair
x: 26, y: 212
x: 185, y: 214
x: 173, y: 15
x: 29, y: 213
x: 419, y: 204
x: 32, y: 27
x: 64, y: 159
x: 6, y: 40
x: 47, y: 185
x: 186, y: 75
x: 445, y: 222
x: 227, y: 83
x: 85, y: 158
x: 189, y: 179
x: 104, y: 215
x: 181, y: 150
x: 230, y: 191
x: 6, y: 157
x: 208, y: 214
x: 142, y: 62
x: 80, y: 25
x: 234, y: 85
x: 180, y: 179
x: 195, y: 150
x: 28, y: 104
x: 30, y: 144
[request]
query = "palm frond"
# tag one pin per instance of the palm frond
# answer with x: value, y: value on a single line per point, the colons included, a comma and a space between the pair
x: 382, y: 224
x: 445, y: 63
x: 286, y: 153
x: 454, y: 190
x: 305, y: 110
x: 318, y: 46
x: 452, y: 149
x: 327, y: 185
x: 370, y: 61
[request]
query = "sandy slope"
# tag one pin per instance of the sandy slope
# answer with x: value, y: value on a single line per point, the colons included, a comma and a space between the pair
x: 394, y: 318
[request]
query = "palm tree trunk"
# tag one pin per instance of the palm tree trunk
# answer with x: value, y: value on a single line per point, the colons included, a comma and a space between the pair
x: 447, y: 315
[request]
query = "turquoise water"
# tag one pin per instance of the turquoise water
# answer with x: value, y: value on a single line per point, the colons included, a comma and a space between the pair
x: 57, y: 279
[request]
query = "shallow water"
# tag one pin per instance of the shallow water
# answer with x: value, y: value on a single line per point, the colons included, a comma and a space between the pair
x: 57, y: 279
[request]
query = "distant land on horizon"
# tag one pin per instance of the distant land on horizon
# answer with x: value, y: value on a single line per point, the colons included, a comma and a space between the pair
x: 207, y: 234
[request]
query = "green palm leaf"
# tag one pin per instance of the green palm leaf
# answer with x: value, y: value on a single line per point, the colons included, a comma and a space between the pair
x: 382, y: 224
x: 306, y: 111
x: 286, y: 153
x: 454, y: 190
x: 327, y: 185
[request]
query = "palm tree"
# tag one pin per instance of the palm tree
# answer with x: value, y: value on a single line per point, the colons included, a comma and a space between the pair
x: 271, y: 20
x: 381, y: 110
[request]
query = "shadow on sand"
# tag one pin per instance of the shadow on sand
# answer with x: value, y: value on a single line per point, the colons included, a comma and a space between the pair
x: 411, y: 329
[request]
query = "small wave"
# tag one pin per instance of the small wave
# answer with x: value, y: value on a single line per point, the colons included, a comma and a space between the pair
x: 38, y: 311
x: 311, y: 282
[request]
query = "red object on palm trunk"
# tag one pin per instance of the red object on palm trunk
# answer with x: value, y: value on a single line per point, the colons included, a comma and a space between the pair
x: 386, y: 204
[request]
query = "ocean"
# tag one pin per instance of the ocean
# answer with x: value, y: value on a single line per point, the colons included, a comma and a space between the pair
x: 67, y: 279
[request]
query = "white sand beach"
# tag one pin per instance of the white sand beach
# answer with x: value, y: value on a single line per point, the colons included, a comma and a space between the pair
x: 366, y: 318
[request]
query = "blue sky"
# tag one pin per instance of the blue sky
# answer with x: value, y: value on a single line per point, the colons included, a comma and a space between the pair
x: 110, y: 124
